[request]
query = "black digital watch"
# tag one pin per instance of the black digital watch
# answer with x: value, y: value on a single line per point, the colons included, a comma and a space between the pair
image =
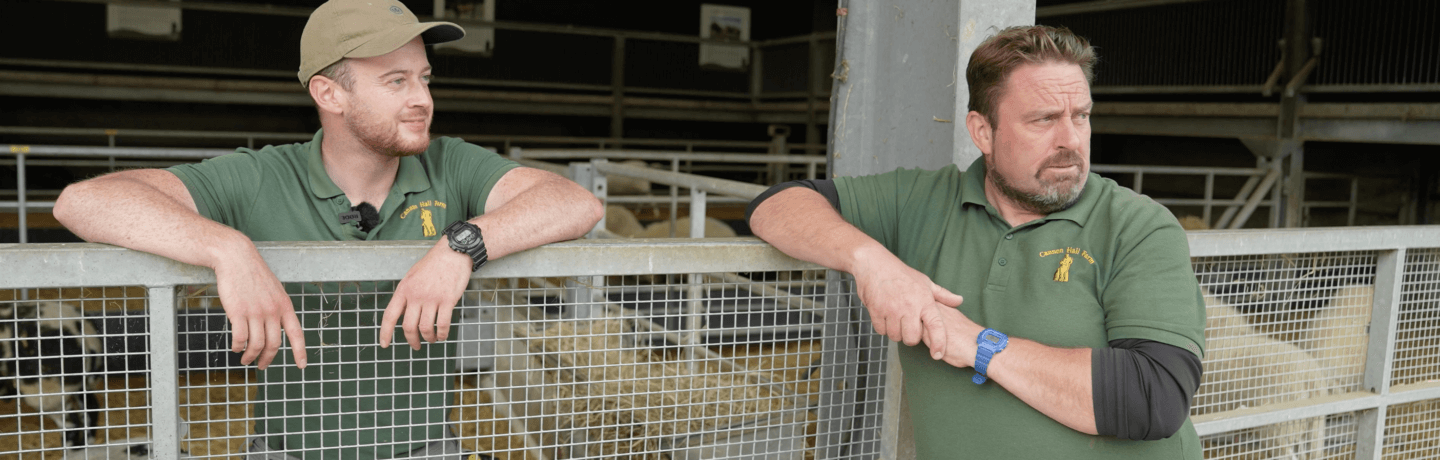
x: 464, y: 237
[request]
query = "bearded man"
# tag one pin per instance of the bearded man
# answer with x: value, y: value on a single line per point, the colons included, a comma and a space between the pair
x: 1081, y: 328
x: 371, y: 173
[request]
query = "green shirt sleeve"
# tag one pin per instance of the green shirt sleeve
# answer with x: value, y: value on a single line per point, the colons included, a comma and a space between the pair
x: 223, y: 187
x: 874, y: 203
x: 473, y: 172
x: 1153, y: 294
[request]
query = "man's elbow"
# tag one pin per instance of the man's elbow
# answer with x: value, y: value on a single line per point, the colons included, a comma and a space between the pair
x: 592, y: 213
x: 66, y: 206
x: 1164, y: 425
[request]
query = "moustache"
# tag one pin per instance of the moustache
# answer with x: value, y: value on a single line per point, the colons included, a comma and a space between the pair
x: 1063, y: 158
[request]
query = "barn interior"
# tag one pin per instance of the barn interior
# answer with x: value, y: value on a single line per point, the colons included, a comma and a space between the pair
x: 1340, y: 99
x: 1235, y: 114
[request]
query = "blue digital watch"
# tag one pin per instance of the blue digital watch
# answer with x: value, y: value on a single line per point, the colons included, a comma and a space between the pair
x: 991, y: 342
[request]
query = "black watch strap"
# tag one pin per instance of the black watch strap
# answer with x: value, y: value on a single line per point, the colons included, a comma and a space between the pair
x: 465, y: 238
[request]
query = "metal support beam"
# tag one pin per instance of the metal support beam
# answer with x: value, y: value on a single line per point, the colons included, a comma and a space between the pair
x: 617, y: 85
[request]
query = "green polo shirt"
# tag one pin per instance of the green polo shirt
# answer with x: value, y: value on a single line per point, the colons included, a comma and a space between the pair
x: 1115, y: 265
x: 354, y: 400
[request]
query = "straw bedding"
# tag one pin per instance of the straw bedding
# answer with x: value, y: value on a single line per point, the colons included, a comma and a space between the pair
x: 633, y: 399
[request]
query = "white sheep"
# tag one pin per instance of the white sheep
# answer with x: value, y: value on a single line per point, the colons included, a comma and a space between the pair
x: 49, y: 354
x: 1246, y: 368
x: 1339, y: 334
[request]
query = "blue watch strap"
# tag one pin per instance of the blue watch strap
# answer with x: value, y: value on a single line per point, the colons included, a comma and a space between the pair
x: 989, y: 343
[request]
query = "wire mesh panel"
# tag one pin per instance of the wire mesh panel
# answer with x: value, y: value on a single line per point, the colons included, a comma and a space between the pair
x: 1282, y: 328
x: 72, y: 371
x: 718, y: 365
x: 1417, y: 341
x: 1412, y: 431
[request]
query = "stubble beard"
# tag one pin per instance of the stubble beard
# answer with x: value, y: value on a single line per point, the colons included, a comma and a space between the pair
x: 1055, y: 195
x: 384, y: 138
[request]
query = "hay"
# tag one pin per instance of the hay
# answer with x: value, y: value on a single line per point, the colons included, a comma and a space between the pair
x: 478, y: 427
x: 626, y: 401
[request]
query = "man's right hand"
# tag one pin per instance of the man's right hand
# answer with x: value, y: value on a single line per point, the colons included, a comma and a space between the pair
x: 902, y: 301
x: 258, y: 309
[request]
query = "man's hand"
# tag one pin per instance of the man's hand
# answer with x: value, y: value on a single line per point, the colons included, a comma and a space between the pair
x: 905, y: 305
x: 258, y: 309
x: 954, y: 341
x: 426, y: 297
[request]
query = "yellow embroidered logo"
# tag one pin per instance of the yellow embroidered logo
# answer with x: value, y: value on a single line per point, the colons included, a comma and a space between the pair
x: 427, y: 221
x: 427, y: 218
x: 1062, y: 274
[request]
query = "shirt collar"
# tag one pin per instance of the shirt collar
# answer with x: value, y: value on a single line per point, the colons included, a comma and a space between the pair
x: 973, y: 192
x: 410, y: 178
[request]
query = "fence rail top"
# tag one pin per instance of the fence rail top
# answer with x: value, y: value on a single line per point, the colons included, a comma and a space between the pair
x: 1205, y: 243
x: 89, y: 264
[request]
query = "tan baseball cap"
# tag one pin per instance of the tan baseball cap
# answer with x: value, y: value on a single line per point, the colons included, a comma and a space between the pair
x: 342, y: 29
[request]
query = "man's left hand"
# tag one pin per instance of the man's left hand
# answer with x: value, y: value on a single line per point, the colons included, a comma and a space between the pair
x: 426, y: 297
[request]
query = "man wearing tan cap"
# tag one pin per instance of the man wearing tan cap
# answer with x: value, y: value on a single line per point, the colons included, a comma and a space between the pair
x: 371, y: 173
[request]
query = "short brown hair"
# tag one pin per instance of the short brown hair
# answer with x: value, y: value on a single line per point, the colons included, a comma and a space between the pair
x: 998, y: 56
x: 339, y: 72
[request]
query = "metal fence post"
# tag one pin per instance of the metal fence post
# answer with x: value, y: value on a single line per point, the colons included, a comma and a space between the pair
x: 164, y: 370
x: 697, y: 213
x: 20, y: 193
x: 1380, y: 351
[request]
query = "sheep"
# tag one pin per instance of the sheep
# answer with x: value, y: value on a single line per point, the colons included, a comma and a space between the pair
x: 1244, y: 367
x: 49, y: 355
x: 1339, y: 334
x: 621, y: 221
x: 714, y: 228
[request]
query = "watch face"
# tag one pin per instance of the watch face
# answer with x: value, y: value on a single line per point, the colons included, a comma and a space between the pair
x: 465, y: 237
x: 992, y: 339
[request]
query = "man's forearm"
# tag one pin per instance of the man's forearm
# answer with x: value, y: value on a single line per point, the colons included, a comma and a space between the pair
x: 138, y: 210
x: 549, y: 208
x: 802, y: 224
x: 1054, y: 381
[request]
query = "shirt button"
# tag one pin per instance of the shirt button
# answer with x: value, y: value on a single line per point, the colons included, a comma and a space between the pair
x: 1010, y: 236
x: 1002, y: 261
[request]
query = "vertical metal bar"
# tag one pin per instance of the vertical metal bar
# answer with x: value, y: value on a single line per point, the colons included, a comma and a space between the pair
x: 674, y: 195
x: 164, y: 379
x: 694, y: 320
x: 893, y: 417
x: 20, y: 196
x: 1354, y: 200
x: 1380, y: 351
x: 617, y: 89
x: 838, y: 367
x: 586, y: 175
x: 1139, y: 181
x: 1275, y: 196
x: 810, y: 171
x: 1209, y: 196
x: 697, y: 213
x: 1370, y: 428
x: 1295, y: 186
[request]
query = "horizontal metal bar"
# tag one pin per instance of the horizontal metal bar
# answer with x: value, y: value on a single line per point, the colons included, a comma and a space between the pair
x: 1148, y: 169
x: 86, y: 264
x: 708, y: 184
x: 819, y: 36
x: 687, y: 92
x: 13, y: 206
x: 478, y: 138
x: 715, y: 157
x: 1252, y: 417
x: 118, y: 152
x: 1102, y: 5
x: 1367, y: 88
x: 1178, y: 89
x: 648, y: 199
x: 1327, y: 204
x: 1202, y: 202
x: 1207, y: 243
x: 94, y: 163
